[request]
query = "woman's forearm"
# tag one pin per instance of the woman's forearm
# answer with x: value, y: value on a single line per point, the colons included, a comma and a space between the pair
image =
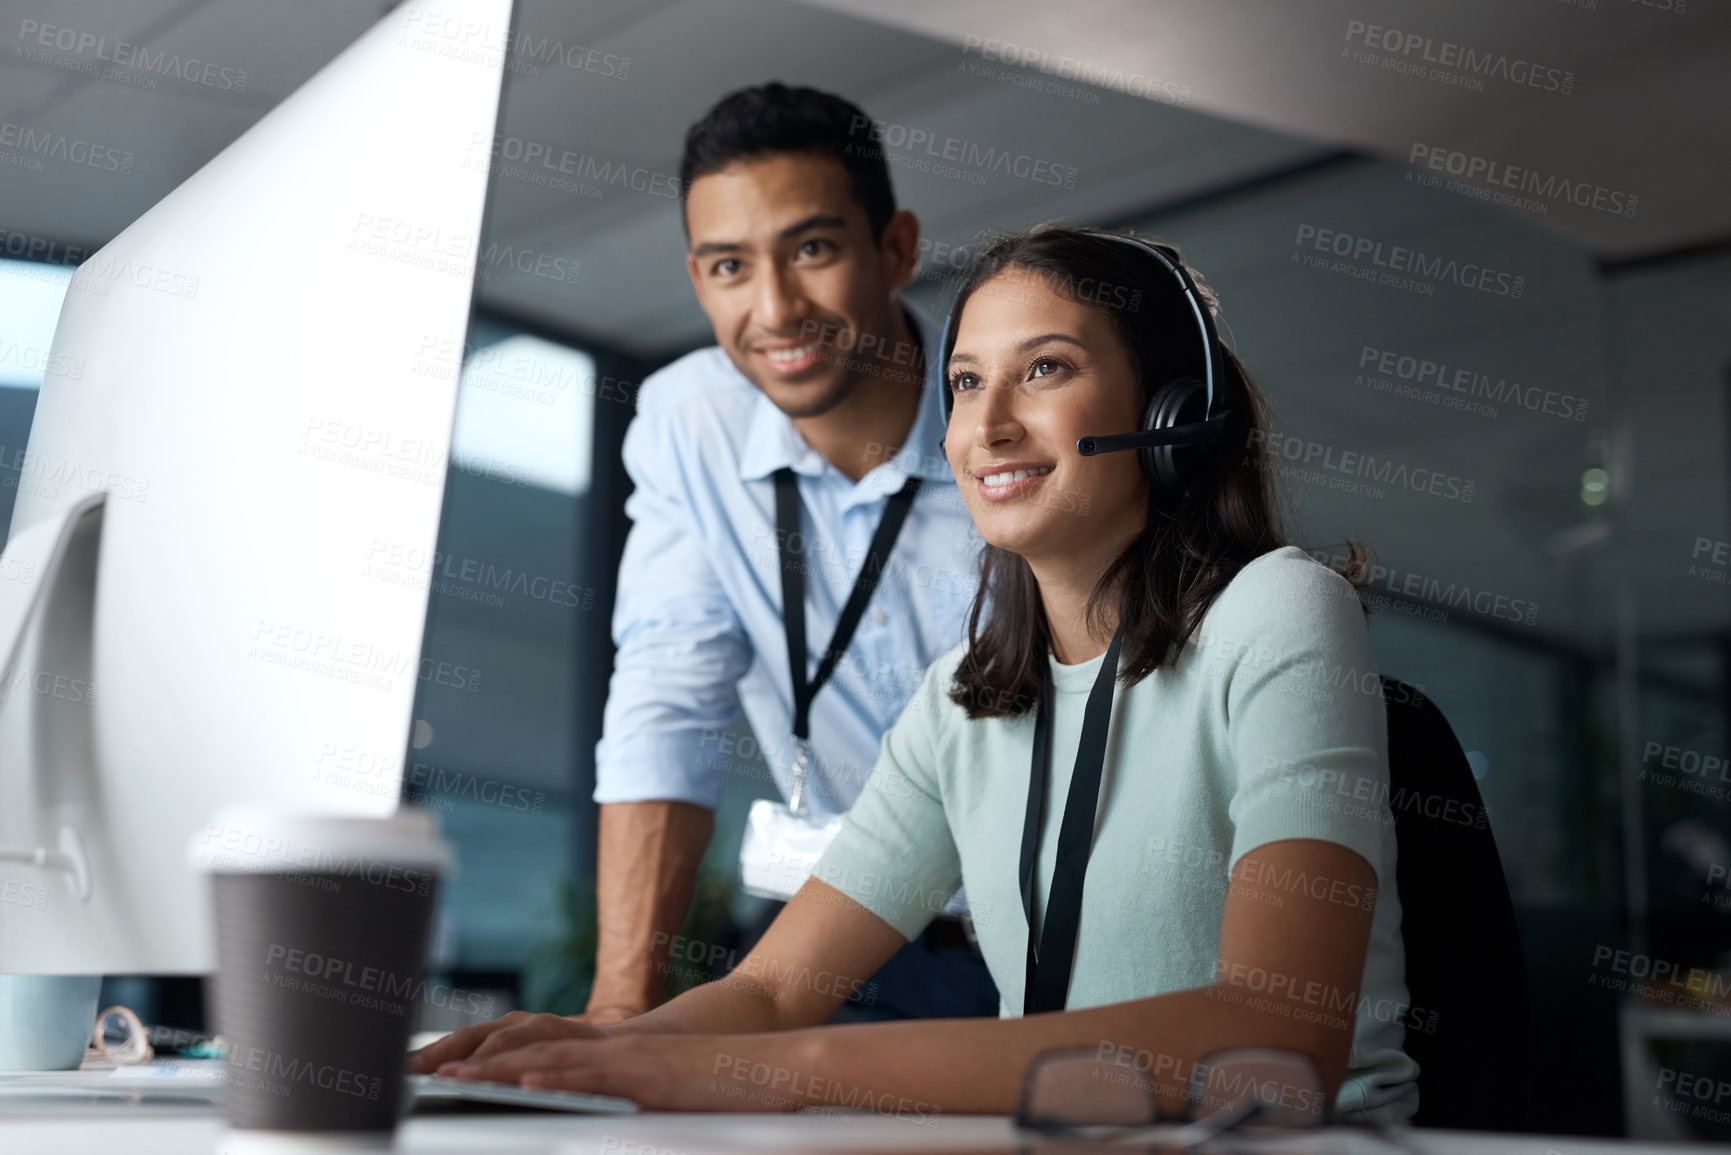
x: 979, y: 1065
x: 734, y: 1005
x: 822, y: 934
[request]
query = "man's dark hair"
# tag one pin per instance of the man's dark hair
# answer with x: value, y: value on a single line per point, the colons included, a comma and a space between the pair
x: 773, y: 117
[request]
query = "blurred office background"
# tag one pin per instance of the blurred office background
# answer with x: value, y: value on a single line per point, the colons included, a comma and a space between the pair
x: 1561, y: 593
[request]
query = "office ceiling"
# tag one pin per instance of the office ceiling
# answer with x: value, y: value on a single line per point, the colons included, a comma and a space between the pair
x: 1221, y: 92
x: 1205, y: 115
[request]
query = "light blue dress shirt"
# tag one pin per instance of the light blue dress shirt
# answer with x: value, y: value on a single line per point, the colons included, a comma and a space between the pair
x: 698, y: 618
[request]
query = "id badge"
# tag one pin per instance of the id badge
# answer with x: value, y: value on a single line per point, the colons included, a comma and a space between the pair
x: 782, y: 845
x: 780, y: 849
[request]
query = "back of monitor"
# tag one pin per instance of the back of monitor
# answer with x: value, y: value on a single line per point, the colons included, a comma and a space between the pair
x: 265, y: 408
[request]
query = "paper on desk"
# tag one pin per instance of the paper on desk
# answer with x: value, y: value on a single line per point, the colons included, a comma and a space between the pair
x: 196, y: 1070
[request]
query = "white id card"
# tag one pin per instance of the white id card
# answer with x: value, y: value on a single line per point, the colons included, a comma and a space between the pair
x: 780, y: 849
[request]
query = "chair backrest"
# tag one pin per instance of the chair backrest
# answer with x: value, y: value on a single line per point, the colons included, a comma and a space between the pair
x: 1470, y: 1025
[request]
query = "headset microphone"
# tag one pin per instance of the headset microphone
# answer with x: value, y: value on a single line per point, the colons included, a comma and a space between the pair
x: 1200, y: 433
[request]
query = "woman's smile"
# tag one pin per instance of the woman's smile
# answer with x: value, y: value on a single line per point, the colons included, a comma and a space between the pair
x: 1002, y: 482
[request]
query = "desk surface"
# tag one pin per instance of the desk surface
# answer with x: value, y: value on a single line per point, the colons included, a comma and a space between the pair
x: 76, y: 1114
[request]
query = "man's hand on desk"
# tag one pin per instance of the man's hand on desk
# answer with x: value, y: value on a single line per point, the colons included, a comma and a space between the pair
x: 517, y: 1029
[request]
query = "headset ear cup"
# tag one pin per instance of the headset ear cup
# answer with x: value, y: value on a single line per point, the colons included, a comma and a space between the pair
x: 1170, y: 469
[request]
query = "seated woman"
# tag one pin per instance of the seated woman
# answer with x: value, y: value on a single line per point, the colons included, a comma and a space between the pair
x: 1240, y: 889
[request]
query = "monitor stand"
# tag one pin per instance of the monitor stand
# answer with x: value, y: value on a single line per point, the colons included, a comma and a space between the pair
x: 45, y: 612
x: 54, y: 567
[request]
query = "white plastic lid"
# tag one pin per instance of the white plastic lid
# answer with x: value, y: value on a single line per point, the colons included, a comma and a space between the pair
x: 258, y: 839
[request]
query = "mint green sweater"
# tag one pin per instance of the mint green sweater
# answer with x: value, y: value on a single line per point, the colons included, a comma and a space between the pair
x: 1270, y: 726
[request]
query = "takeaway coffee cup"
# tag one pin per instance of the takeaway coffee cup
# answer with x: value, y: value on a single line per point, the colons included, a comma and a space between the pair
x: 321, y: 934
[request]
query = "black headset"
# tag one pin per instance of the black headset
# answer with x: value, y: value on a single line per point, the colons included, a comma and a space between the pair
x: 1180, y: 414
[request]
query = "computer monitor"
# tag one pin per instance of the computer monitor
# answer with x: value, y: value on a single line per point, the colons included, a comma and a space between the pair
x: 264, y: 403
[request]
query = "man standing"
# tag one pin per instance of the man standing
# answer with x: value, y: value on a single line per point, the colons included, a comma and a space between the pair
x: 779, y: 463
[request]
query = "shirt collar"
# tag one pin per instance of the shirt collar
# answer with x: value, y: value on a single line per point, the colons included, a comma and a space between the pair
x: 772, y: 442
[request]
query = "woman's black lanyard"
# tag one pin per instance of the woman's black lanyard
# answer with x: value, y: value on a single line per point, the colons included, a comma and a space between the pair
x: 1051, y: 958
x: 793, y: 607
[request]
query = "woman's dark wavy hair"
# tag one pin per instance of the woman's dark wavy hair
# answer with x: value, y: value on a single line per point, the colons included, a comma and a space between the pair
x: 1195, y: 542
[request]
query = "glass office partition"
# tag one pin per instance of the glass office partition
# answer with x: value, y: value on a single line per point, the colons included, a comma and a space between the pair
x: 495, y: 747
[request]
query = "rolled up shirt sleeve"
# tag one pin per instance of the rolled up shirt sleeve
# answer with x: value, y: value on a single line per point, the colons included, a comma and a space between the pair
x: 895, y: 854
x: 681, y: 647
x: 1306, y: 722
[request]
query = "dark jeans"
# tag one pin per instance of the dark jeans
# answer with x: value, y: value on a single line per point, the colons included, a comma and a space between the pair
x: 920, y: 981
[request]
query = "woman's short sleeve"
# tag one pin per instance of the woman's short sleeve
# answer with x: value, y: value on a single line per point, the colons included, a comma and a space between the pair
x: 894, y: 854
x: 1306, y: 724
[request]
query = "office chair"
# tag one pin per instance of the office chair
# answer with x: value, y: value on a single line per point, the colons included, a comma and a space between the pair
x: 1465, y: 974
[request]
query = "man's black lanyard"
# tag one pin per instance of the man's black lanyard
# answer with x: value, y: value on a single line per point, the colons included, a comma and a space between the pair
x: 793, y: 589
x: 1046, y: 986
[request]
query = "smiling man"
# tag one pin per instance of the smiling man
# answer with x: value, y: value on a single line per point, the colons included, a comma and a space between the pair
x: 775, y: 468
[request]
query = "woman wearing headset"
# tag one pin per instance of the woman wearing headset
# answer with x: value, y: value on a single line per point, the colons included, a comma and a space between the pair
x: 1156, y: 749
